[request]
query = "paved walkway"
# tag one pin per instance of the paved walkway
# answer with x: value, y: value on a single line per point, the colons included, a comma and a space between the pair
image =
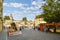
x: 30, y: 34
x: 3, y: 35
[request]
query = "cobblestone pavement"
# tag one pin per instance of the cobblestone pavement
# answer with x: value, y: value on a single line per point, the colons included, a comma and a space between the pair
x: 30, y: 34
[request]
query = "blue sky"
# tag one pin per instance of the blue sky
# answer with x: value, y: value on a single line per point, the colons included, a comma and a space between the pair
x: 22, y: 8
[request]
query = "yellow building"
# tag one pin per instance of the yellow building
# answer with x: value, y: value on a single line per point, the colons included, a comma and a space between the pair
x: 38, y: 21
x: 1, y: 9
x: 19, y: 23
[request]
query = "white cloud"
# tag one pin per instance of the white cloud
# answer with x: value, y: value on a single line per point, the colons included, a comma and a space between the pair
x: 29, y: 8
x: 33, y: 8
x: 37, y: 4
x: 36, y: 12
x: 5, y: 4
x: 27, y: 11
x: 15, y: 5
x: 34, y: 3
x: 22, y: 6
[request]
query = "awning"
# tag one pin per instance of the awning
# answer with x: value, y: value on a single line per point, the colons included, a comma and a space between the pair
x: 42, y: 22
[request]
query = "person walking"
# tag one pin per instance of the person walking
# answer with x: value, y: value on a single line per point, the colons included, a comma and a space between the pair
x: 10, y: 31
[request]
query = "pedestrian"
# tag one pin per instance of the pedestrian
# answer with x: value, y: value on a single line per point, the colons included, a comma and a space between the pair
x: 55, y: 29
x: 44, y: 28
x: 34, y: 28
x: 20, y: 29
x: 10, y: 31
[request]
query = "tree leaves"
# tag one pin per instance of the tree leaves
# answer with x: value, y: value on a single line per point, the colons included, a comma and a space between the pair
x: 51, y: 11
x: 25, y: 20
x: 6, y: 18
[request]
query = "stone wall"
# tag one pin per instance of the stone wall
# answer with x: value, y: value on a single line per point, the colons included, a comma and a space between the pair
x: 1, y: 9
x: 0, y: 25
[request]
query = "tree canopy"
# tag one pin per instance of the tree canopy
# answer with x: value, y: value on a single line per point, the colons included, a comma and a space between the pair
x: 6, y: 18
x: 13, y: 25
x: 24, y: 19
x: 51, y: 11
x: 38, y: 16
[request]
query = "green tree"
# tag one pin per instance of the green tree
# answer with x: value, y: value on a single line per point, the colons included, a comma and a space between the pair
x: 51, y: 11
x: 25, y: 20
x: 38, y: 16
x: 6, y: 18
x: 13, y: 25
